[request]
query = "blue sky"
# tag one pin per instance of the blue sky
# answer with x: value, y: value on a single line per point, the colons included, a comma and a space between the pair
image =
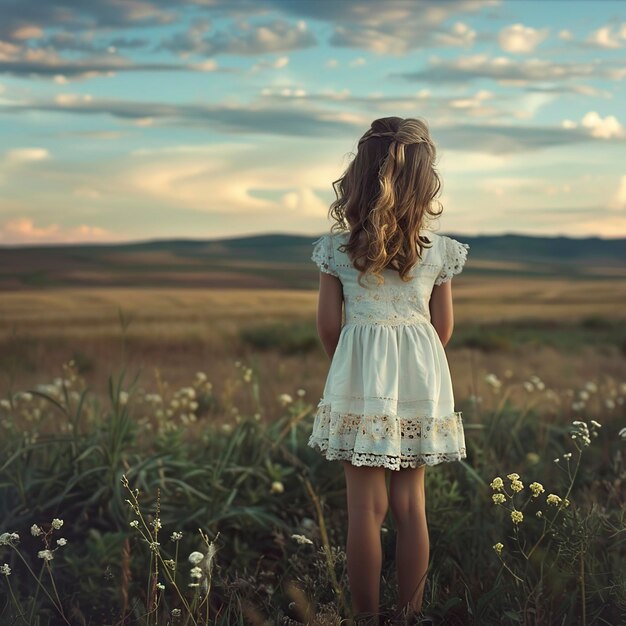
x: 143, y: 119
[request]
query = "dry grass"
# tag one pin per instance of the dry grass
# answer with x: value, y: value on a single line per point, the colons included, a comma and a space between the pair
x: 181, y: 331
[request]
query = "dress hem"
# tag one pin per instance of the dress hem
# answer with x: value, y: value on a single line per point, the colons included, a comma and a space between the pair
x: 370, y: 459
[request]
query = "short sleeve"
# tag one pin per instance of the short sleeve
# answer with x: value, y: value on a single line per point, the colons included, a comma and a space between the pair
x: 324, y: 256
x: 454, y: 255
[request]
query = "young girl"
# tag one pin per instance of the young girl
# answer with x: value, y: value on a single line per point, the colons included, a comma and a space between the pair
x: 388, y: 400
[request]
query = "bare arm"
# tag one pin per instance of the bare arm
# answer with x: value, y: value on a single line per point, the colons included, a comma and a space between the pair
x: 441, y: 311
x: 329, y: 311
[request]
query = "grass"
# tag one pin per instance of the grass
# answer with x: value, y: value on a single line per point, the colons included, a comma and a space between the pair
x: 239, y: 487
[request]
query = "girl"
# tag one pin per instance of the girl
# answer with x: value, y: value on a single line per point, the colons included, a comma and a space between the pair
x: 388, y: 400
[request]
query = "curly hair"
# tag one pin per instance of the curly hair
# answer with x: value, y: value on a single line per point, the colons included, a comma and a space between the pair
x: 385, y: 197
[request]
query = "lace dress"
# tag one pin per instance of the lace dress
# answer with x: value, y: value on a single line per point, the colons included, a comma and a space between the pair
x: 388, y: 398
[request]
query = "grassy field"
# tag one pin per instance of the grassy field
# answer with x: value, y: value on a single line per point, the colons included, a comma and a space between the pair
x: 203, y: 400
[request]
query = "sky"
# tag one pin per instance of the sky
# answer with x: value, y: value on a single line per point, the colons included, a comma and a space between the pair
x: 126, y: 120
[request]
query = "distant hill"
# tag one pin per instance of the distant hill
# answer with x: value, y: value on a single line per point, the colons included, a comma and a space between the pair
x: 281, y: 261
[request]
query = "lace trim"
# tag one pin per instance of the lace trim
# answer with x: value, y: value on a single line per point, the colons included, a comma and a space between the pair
x: 388, y: 440
x: 323, y: 255
x: 385, y: 460
x: 455, y: 257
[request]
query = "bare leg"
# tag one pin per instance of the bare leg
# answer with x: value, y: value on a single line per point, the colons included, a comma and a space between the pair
x: 408, y: 506
x: 367, y: 508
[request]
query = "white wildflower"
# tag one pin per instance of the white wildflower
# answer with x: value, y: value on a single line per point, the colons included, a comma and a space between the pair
x: 61, y: 541
x: 195, y: 557
x: 5, y: 570
x: 47, y: 555
x: 35, y: 531
x: 196, y: 572
x: 57, y: 523
x: 301, y: 539
x: 285, y: 399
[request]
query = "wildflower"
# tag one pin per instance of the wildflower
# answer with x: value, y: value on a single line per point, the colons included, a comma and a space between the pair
x: 195, y: 557
x: 35, y: 531
x: 552, y: 498
x: 517, y: 516
x: 8, y: 539
x: 536, y: 488
x: 61, y: 541
x: 156, y: 524
x: 257, y: 417
x: 583, y: 395
x: 194, y: 584
x: 247, y: 376
x: 533, y: 458
x: 160, y: 586
x: 201, y: 376
x: 134, y: 524
x: 596, y: 424
x: 492, y: 379
x: 557, y: 460
x: 567, y: 455
x: 539, y: 514
x: 196, y: 572
x: 277, y: 487
x: 622, y: 433
x: 227, y: 428
x: 528, y: 386
x: 5, y: 570
x: 176, y: 536
x: 57, y: 523
x: 301, y: 393
x: 285, y: 399
x: 496, y: 483
x: 498, y: 547
x: 517, y: 485
x: 512, y: 476
x: 301, y: 539
x: 176, y: 613
x: 566, y: 502
x: 591, y: 386
x: 154, y: 545
x: 498, y: 498
x: 170, y: 563
x: 47, y: 555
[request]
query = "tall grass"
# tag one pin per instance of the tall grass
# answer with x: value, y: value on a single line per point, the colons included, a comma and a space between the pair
x: 176, y: 508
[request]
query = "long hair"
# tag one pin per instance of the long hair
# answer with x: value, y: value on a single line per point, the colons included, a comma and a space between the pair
x: 385, y: 197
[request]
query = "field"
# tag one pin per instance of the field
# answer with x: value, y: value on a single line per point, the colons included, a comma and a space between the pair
x: 203, y: 399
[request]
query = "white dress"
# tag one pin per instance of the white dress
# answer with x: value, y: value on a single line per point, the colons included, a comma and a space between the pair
x: 388, y: 398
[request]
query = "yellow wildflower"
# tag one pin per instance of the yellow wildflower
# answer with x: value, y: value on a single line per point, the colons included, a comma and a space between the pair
x: 498, y: 547
x: 536, y: 488
x: 517, y: 485
x: 512, y: 476
x: 498, y: 498
x: 497, y: 483
x: 552, y: 498
x: 517, y: 516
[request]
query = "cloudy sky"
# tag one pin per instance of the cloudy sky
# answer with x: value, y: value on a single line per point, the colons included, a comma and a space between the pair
x: 138, y: 119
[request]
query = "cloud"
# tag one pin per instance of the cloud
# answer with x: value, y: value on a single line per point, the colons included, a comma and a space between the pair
x: 601, y: 127
x: 511, y: 71
x: 243, y: 39
x: 460, y: 35
x: 232, y: 179
x: 607, y: 37
x: 23, y: 230
x: 518, y: 38
x: 25, y: 155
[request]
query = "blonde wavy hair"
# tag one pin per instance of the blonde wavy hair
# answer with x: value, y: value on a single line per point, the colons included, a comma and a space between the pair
x: 385, y: 197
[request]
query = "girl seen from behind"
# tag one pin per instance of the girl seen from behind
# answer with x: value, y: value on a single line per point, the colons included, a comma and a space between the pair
x: 384, y: 316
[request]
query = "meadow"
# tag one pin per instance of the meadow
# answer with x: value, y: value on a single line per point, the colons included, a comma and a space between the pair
x: 154, y: 466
